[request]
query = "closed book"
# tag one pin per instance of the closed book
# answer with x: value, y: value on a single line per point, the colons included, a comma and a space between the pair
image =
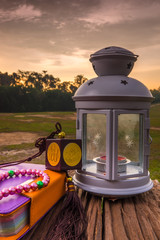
x: 19, y: 212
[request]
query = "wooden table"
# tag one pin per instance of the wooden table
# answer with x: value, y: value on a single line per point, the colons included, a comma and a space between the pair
x: 133, y: 218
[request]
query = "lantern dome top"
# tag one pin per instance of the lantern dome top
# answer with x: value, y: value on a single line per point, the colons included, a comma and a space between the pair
x: 112, y: 87
x: 112, y: 51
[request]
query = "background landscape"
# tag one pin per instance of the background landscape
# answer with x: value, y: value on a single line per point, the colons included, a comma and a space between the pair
x: 19, y: 131
x: 26, y: 91
x: 45, y: 48
x: 60, y: 35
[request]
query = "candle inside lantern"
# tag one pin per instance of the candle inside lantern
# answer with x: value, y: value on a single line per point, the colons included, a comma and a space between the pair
x: 101, y: 163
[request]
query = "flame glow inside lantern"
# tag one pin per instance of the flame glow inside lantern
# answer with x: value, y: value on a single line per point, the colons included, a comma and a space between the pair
x: 113, y: 123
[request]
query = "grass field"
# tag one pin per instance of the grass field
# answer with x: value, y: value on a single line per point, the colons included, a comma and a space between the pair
x: 154, y: 166
x: 42, y: 123
x: 18, y: 132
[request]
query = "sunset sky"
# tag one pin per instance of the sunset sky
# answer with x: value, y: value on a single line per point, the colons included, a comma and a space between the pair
x: 59, y: 35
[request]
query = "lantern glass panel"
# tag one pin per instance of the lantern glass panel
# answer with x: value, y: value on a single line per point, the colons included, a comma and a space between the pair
x: 94, y: 141
x: 130, y: 144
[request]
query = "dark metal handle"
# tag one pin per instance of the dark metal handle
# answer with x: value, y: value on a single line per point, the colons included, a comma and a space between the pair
x: 58, y: 127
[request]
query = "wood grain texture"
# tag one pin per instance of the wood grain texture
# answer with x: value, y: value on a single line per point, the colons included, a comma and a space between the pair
x: 133, y: 218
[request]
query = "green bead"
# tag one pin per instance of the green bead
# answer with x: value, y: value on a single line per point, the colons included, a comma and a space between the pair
x: 40, y: 184
x: 11, y: 173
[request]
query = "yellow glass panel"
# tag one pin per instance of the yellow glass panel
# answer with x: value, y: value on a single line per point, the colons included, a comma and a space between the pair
x: 53, y: 154
x: 72, y: 154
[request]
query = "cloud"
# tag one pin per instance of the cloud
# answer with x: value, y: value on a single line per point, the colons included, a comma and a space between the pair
x: 52, y: 42
x: 78, y: 59
x: 65, y: 33
x: 121, y: 11
x: 59, y: 24
x: 22, y: 12
x: 33, y: 59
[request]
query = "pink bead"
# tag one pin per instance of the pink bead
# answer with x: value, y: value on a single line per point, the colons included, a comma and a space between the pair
x: 5, y: 192
x: 23, y: 172
x: 45, y: 174
x: 1, y: 176
x: 6, y: 174
x: 26, y: 187
x: 19, y: 189
x: 1, y: 195
x: 12, y: 190
x: 40, y: 173
x: 34, y: 186
x: 34, y: 171
x: 29, y: 171
x: 17, y: 172
x: 46, y: 178
x: 37, y: 173
x: 45, y: 182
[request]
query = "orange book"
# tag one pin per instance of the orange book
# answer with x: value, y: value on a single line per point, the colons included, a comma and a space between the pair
x: 19, y: 213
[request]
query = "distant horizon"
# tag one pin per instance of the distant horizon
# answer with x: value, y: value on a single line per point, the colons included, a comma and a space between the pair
x: 71, y: 80
x: 60, y: 35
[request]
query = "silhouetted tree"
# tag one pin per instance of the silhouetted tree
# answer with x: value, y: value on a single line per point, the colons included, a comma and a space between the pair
x: 41, y: 81
x: 64, y: 86
x: 78, y: 81
x: 27, y: 91
x: 156, y: 95
x: 5, y: 79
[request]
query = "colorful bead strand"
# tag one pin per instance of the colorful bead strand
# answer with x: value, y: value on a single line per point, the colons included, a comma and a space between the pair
x: 23, y: 188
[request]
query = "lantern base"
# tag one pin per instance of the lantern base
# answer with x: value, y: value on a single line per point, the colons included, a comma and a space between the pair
x: 119, y: 188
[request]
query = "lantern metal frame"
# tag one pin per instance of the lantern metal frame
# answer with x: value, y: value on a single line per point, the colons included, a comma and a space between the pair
x: 146, y: 147
x: 112, y: 141
x: 112, y: 93
x: 109, y: 136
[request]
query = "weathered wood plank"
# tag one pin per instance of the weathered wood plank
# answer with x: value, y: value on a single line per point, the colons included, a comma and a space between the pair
x: 94, y: 230
x: 152, y: 199
x: 91, y: 214
x: 99, y: 224
x: 142, y: 216
x: 149, y: 201
x: 130, y: 220
x: 119, y: 232
x: 108, y: 231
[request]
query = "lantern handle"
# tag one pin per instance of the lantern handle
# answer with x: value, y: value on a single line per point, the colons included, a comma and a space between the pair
x: 58, y: 127
x: 150, y: 139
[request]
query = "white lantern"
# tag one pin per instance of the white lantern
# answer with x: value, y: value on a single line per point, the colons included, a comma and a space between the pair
x: 113, y: 123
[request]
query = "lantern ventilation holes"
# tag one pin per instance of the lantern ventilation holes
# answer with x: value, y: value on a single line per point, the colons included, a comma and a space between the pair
x: 124, y: 82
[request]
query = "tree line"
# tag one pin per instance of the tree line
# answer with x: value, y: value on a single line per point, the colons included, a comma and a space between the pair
x: 29, y: 91
x: 156, y: 95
